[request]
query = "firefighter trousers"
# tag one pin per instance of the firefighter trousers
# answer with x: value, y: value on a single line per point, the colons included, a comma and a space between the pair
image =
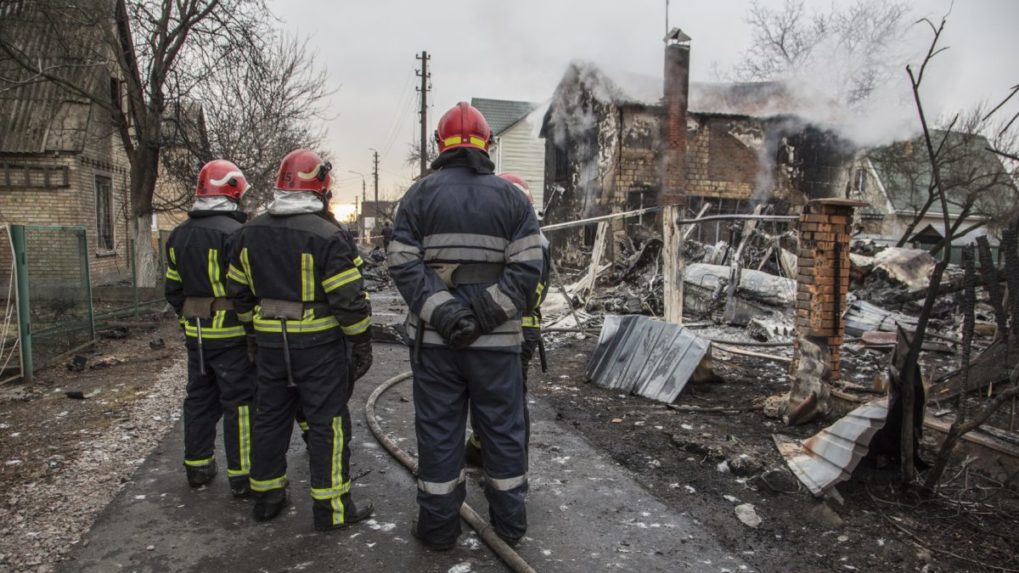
x: 444, y: 381
x: 527, y: 350
x: 321, y: 390
x: 227, y: 391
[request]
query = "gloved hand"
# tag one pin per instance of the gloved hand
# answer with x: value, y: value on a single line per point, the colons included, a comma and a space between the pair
x: 490, y: 315
x: 446, y: 317
x: 465, y: 332
x: 361, y: 359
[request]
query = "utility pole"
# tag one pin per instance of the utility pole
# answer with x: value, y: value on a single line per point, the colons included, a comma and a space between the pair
x: 364, y: 199
x: 375, y: 171
x: 425, y: 87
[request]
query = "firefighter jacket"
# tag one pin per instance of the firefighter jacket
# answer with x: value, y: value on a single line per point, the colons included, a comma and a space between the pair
x: 463, y: 217
x: 196, y: 255
x: 532, y: 318
x: 304, y: 259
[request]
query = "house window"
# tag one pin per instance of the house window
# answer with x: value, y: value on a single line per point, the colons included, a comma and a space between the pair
x: 104, y: 213
x: 561, y: 164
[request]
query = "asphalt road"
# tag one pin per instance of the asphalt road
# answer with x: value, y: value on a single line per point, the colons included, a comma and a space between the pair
x: 585, y: 512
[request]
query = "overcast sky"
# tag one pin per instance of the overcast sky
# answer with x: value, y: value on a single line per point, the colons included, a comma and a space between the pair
x: 519, y: 49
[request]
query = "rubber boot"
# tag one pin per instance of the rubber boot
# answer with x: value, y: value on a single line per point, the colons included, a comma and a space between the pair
x: 200, y: 475
x: 240, y: 486
x: 269, y: 504
x: 429, y: 544
x: 323, y: 515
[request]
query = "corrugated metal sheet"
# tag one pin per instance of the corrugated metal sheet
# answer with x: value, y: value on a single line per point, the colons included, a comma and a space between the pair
x: 644, y: 356
x: 830, y: 456
x: 39, y: 116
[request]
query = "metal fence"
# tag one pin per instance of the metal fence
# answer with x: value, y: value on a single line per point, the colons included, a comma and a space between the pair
x: 51, y: 305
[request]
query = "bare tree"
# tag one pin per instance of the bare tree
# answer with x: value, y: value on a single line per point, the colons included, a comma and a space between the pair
x: 160, y: 51
x: 262, y: 104
x: 857, y: 44
x: 414, y: 153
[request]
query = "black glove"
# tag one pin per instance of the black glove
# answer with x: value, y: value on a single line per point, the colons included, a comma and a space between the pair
x: 490, y: 315
x: 446, y: 317
x: 465, y: 333
x: 361, y: 357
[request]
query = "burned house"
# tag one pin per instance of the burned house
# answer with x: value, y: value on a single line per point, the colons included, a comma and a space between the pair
x: 62, y: 160
x: 618, y: 142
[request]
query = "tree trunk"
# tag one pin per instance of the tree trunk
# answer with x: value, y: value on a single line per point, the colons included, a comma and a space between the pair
x: 144, y: 170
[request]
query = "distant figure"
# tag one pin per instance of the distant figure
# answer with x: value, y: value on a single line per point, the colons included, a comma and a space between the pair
x: 387, y: 236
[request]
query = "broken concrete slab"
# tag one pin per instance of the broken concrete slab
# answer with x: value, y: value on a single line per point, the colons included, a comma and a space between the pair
x: 830, y: 456
x: 647, y: 357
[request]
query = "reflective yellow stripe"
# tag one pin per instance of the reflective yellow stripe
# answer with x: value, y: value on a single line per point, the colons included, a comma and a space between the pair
x: 303, y: 425
x: 236, y: 473
x: 457, y: 140
x: 269, y: 484
x: 296, y: 326
x: 172, y: 275
x: 214, y: 274
x: 357, y: 328
x: 173, y: 256
x: 245, y: 316
x: 339, y: 279
x: 237, y: 275
x: 212, y: 332
x: 244, y: 430
x: 200, y: 463
x: 358, y: 261
x: 367, y: 296
x: 475, y: 440
x: 337, y: 477
x: 307, y: 278
x: 247, y: 269
x: 530, y: 322
x: 326, y: 493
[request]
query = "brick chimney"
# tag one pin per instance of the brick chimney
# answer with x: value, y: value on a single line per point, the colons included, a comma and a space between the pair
x: 677, y: 90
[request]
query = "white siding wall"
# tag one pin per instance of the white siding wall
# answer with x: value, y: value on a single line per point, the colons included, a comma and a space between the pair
x: 523, y: 153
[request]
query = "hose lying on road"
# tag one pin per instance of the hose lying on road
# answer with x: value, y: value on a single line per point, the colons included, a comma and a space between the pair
x: 485, y: 531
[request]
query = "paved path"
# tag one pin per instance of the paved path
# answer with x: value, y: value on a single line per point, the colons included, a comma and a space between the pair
x: 585, y: 512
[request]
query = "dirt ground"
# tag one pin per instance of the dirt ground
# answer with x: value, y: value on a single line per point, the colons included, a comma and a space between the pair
x: 63, y: 458
x: 707, y: 464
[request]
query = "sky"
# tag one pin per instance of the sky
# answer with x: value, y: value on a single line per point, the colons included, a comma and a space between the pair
x: 519, y: 49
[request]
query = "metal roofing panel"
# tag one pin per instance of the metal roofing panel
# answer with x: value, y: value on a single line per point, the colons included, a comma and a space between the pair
x: 645, y: 356
x: 501, y: 114
x: 830, y: 456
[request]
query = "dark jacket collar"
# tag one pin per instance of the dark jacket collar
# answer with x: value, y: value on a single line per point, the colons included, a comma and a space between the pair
x: 240, y: 216
x: 468, y: 157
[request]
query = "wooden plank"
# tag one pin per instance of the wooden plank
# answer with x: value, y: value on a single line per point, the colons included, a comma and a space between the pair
x: 600, y: 239
x: 674, y: 267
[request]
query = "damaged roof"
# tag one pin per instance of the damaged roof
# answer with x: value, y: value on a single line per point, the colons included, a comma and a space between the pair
x: 644, y: 356
x: 830, y: 456
x: 502, y: 114
x: 755, y: 99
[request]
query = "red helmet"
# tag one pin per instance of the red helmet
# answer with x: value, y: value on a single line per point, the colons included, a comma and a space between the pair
x: 519, y: 183
x: 463, y: 126
x: 304, y: 170
x: 221, y: 178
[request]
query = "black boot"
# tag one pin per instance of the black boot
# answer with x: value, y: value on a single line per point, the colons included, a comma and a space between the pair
x: 429, y: 544
x: 240, y: 486
x: 200, y: 475
x: 269, y: 504
x: 323, y: 515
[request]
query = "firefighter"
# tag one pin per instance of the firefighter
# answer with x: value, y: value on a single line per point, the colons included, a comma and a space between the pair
x: 221, y: 377
x: 531, y: 324
x: 466, y: 256
x: 295, y: 270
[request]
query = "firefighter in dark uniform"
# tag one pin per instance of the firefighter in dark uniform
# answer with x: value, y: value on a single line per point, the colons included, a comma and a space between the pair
x: 295, y: 270
x: 221, y: 378
x: 466, y: 257
x: 531, y: 323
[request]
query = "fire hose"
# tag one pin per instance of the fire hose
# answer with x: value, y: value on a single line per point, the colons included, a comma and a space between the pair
x: 510, y: 557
